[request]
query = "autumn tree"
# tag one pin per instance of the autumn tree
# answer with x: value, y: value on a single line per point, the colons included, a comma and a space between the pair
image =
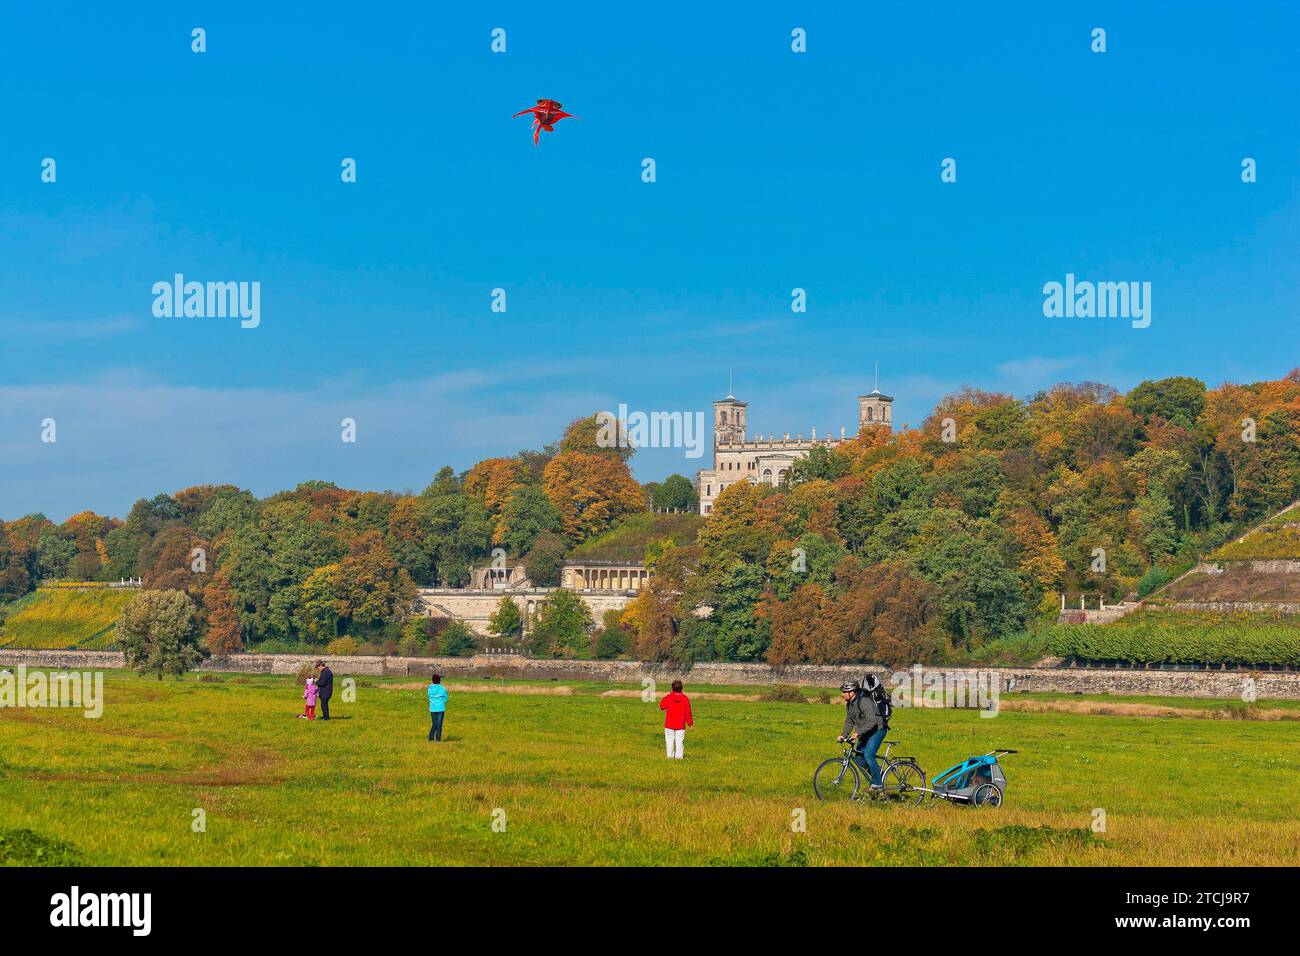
x: 320, y: 608
x: 371, y: 588
x: 223, y: 635
x: 590, y: 492
x: 602, y: 434
x: 797, y: 627
x: 887, y: 614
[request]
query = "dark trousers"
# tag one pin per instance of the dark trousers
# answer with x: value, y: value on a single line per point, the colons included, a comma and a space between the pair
x: 435, y: 724
x: 325, y: 708
x: 865, y: 756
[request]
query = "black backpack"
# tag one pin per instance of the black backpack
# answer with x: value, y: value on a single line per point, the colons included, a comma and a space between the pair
x: 881, y: 699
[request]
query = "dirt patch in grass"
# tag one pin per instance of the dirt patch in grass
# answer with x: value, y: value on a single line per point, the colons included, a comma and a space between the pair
x: 236, y: 770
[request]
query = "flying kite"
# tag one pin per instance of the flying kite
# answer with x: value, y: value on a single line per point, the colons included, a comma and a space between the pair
x: 545, y: 115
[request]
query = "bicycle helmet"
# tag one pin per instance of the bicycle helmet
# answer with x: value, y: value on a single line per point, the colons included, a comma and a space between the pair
x: 848, y: 687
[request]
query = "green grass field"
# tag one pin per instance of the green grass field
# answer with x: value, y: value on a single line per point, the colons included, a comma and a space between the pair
x: 580, y: 778
x: 65, y: 617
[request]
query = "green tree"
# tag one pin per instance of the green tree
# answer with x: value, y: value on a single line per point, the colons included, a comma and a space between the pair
x: 227, y: 508
x: 1156, y: 524
x: 506, y: 621
x: 54, y: 555
x: 810, y: 559
x: 461, y: 532
x: 417, y: 632
x: 456, y: 640
x: 561, y: 625
x: 610, y: 643
x: 1179, y: 400
x: 973, y: 484
x: 978, y: 594
x: 437, y: 536
x: 897, y: 486
x: 527, y: 514
x: 157, y: 633
x: 675, y: 493
x: 545, y: 562
x: 740, y: 636
x: 1001, y: 426
x: 821, y: 463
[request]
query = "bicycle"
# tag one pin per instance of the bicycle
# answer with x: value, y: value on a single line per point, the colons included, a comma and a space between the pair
x: 902, y: 779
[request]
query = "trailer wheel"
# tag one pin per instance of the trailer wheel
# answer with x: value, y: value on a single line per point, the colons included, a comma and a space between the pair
x: 987, y: 795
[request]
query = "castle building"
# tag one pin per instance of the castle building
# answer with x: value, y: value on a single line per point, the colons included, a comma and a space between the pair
x: 766, y: 461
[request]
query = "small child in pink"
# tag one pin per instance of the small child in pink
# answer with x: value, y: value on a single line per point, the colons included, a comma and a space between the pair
x: 309, y: 695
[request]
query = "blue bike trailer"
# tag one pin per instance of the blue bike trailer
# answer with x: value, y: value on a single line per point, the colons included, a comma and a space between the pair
x: 963, y: 781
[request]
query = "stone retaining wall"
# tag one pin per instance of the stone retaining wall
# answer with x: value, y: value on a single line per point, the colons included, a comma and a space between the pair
x: 1265, y: 607
x: 1275, y: 685
x: 476, y: 607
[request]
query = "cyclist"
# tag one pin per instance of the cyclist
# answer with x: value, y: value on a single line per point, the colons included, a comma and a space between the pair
x: 863, y: 725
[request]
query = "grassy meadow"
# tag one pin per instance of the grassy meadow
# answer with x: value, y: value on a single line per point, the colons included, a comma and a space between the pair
x: 581, y: 777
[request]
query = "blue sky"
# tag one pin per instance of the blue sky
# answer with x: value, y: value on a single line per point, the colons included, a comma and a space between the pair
x: 775, y: 170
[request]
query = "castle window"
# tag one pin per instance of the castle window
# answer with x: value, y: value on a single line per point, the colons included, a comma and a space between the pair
x: 869, y: 412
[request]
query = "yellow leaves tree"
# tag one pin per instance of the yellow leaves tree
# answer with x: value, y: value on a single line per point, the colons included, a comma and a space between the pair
x: 1038, y: 553
x: 590, y: 492
x: 493, y: 481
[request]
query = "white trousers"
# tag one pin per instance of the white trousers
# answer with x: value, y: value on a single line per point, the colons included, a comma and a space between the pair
x: 673, y: 741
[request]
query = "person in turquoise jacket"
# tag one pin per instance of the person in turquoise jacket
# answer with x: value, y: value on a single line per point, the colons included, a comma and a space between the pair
x: 437, y: 706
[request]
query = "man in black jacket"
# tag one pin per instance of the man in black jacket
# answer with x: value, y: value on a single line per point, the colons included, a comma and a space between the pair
x: 324, y: 687
x: 862, y: 724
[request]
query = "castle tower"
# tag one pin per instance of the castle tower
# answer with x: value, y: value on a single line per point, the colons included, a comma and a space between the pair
x: 875, y: 409
x: 729, y: 420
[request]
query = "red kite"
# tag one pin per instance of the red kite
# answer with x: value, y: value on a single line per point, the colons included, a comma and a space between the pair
x: 545, y: 115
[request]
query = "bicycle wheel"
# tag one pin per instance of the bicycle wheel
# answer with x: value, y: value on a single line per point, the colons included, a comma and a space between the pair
x: 903, y: 783
x: 836, y: 779
x: 987, y: 795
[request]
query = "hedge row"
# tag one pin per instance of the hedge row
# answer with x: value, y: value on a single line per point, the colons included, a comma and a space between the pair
x: 1154, y: 641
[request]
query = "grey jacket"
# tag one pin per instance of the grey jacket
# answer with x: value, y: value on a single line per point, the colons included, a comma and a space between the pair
x: 860, y: 716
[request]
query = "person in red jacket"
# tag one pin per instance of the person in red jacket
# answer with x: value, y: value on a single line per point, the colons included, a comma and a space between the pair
x: 677, y: 717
